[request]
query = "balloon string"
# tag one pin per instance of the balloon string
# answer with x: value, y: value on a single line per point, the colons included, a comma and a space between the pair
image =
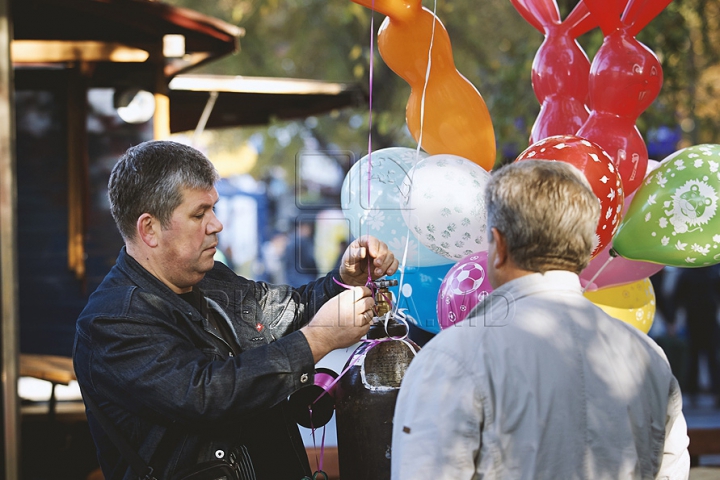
x: 427, y: 80
x: 370, y: 90
x: 312, y: 434
x: 332, y: 384
x: 370, y: 118
x: 344, y: 285
x: 607, y: 262
x: 402, y: 272
x: 369, y: 284
x: 322, y: 450
x: 403, y: 264
x: 318, y: 461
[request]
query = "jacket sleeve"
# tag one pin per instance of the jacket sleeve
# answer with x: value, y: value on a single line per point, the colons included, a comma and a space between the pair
x: 286, y: 309
x: 437, y: 421
x: 676, y: 459
x: 143, y: 355
x: 147, y: 363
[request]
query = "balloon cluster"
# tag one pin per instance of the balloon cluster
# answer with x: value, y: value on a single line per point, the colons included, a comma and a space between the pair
x: 429, y: 207
x: 429, y: 210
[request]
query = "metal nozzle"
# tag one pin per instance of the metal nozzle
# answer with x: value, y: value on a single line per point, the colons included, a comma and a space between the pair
x: 383, y: 296
x: 386, y: 283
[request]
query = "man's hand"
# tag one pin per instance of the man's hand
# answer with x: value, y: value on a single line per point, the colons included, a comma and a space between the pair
x: 341, y: 322
x: 354, y: 265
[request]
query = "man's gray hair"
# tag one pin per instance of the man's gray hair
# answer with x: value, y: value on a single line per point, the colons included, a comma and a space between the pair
x: 150, y: 178
x: 547, y: 212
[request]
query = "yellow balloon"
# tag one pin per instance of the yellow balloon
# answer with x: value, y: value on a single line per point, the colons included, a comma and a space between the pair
x: 633, y: 303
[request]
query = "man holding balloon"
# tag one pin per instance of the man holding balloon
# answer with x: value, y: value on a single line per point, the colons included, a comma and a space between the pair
x: 537, y: 382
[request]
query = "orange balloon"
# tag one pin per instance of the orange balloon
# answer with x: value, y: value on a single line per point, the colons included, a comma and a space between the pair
x: 456, y: 120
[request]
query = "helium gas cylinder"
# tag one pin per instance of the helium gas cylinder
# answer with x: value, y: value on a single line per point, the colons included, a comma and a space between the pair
x: 366, y: 393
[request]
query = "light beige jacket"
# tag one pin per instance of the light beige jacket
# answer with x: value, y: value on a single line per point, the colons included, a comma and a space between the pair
x: 538, y: 383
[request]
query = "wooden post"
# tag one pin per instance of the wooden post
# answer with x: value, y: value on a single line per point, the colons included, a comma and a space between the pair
x: 78, y: 184
x: 9, y: 322
x: 161, y: 120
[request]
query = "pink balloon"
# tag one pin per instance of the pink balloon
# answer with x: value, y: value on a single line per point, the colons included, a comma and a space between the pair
x: 465, y: 285
x: 619, y: 270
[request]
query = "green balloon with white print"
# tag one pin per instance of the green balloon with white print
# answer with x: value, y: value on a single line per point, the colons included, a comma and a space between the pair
x: 674, y: 219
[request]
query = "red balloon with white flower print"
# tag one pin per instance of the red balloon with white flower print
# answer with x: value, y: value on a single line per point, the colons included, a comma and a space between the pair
x: 599, y: 170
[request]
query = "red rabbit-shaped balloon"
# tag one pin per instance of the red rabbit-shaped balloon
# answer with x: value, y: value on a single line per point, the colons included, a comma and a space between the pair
x: 625, y: 78
x: 447, y: 109
x: 560, y: 69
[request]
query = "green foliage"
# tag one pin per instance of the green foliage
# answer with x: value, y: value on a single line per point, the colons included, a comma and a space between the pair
x: 493, y: 48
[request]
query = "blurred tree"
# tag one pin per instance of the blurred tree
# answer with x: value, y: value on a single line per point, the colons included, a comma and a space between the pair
x: 493, y: 47
x: 331, y: 41
x: 691, y: 33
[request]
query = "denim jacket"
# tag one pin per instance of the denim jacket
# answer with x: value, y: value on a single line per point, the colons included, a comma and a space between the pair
x: 155, y: 367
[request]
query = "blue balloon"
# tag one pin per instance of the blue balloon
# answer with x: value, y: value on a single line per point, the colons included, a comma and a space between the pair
x: 380, y: 213
x: 418, y: 295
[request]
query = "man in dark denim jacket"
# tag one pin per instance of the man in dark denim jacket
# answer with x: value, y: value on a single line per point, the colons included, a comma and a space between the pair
x: 188, y: 360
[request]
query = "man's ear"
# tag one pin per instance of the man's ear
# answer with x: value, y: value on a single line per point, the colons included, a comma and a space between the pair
x: 147, y: 229
x: 501, y: 253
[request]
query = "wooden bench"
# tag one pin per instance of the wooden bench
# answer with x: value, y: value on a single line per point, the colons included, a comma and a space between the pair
x: 703, y: 441
x: 55, y: 369
x: 330, y: 461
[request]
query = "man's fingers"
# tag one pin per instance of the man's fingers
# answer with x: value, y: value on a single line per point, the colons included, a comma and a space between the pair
x: 367, y: 317
x: 386, y: 265
x: 376, y: 248
x: 383, y: 260
x: 357, y: 253
x: 360, y: 293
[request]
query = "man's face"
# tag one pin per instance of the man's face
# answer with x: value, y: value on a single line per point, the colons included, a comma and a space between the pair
x: 186, y: 247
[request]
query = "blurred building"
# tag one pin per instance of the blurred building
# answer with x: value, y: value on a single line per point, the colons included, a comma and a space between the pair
x: 81, y: 81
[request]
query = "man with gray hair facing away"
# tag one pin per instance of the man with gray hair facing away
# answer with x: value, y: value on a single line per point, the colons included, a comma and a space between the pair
x: 537, y: 382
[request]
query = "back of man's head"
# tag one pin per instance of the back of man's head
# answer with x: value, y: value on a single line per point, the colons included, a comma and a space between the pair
x: 547, y: 213
x: 150, y: 178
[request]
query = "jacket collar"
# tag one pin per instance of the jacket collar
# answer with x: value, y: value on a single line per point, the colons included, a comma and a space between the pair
x: 149, y: 282
x: 552, y: 280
